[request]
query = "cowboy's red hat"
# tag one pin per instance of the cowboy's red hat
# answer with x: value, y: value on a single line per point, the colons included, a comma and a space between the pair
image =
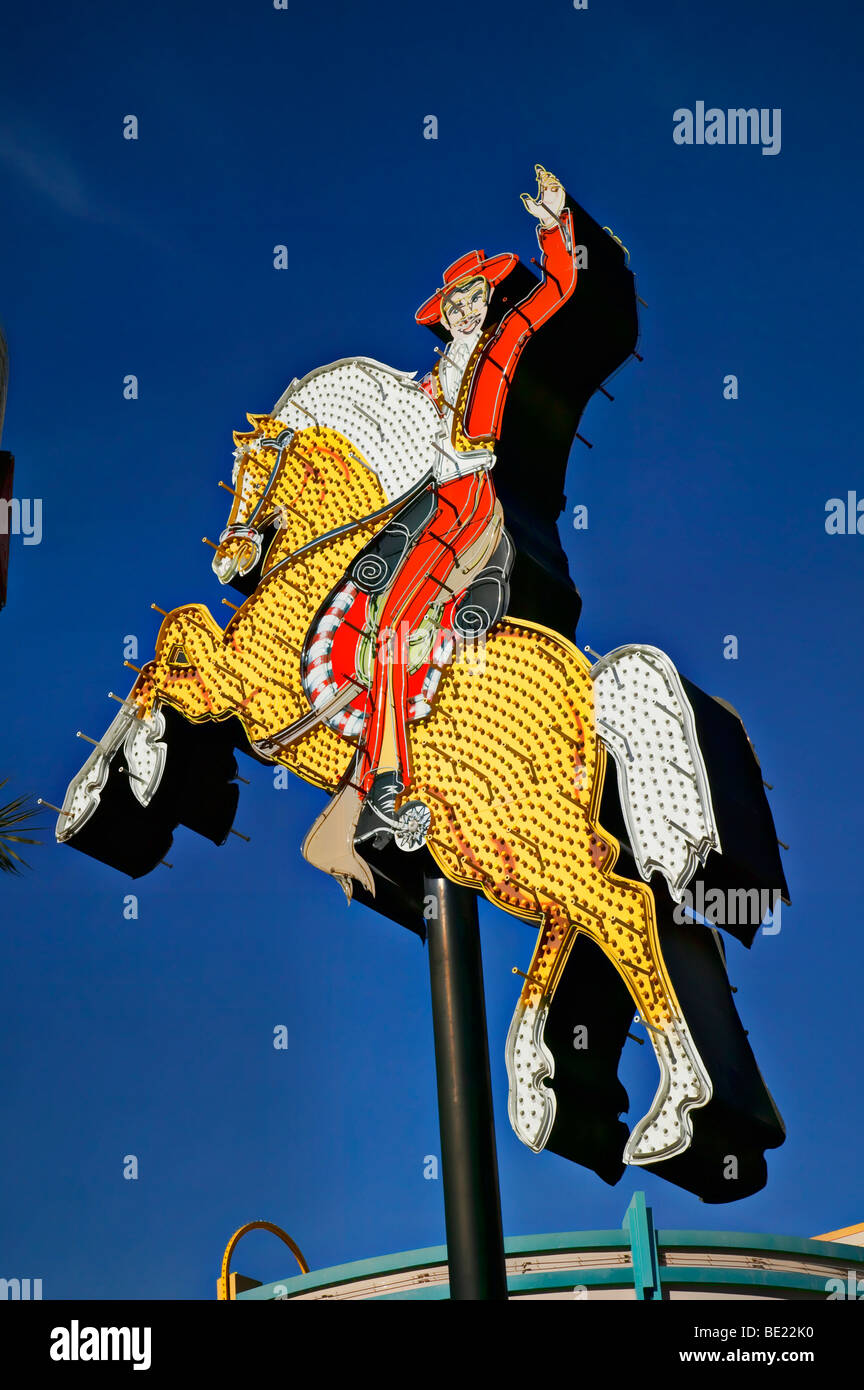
x: 468, y: 267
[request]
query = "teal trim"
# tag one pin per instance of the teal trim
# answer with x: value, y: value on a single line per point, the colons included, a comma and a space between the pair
x: 751, y: 1240
x: 763, y: 1279
x: 621, y: 1278
x: 751, y: 1278
x: 639, y: 1224
x: 567, y: 1240
x: 433, y: 1255
x: 426, y: 1293
x: 618, y: 1277
x: 358, y: 1269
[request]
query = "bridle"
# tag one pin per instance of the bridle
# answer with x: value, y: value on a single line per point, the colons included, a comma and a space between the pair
x: 252, y: 529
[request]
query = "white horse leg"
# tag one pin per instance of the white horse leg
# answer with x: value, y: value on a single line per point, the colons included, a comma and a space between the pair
x: 685, y: 1085
x: 531, y: 1105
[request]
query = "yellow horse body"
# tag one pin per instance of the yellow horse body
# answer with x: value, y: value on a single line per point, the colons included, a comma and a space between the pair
x: 508, y: 763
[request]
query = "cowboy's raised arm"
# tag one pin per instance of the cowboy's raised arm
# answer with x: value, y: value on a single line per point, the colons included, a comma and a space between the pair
x: 502, y: 353
x: 555, y: 235
x: 548, y: 205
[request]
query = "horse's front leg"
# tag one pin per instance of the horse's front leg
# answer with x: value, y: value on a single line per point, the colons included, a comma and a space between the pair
x: 152, y: 768
x: 192, y: 669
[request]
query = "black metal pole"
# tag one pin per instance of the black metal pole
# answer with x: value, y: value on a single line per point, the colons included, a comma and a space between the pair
x: 469, y: 1161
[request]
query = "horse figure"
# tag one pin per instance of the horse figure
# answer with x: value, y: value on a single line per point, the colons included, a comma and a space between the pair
x: 508, y: 765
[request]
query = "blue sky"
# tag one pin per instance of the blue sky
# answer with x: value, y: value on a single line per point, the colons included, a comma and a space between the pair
x: 304, y: 127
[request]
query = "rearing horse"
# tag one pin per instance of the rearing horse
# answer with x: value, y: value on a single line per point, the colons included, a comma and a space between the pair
x: 508, y: 763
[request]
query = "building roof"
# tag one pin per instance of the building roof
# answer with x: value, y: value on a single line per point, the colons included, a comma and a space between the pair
x: 634, y: 1262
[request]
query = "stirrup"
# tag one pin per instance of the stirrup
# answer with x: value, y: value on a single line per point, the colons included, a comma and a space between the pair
x: 380, y: 823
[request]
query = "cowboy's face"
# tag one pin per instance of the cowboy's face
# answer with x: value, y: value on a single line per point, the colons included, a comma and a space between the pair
x: 464, y: 309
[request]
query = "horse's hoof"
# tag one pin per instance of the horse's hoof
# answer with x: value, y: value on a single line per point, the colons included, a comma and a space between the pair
x: 666, y: 1135
x: 531, y: 1104
x: 667, y: 1129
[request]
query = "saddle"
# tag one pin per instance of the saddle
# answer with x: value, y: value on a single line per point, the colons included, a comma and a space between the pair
x: 342, y: 644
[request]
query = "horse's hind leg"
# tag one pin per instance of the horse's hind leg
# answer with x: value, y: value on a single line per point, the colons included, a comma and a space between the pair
x: 516, y: 786
x: 633, y: 946
x: 628, y: 936
x: 685, y: 1085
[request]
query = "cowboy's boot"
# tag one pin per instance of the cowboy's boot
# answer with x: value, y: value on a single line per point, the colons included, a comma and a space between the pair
x: 378, y: 813
x: 380, y: 822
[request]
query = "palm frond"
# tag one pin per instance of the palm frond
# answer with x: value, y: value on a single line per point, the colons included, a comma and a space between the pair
x: 15, y: 816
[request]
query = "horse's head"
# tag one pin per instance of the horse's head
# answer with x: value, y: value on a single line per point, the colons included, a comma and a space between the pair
x: 305, y: 481
x: 261, y: 461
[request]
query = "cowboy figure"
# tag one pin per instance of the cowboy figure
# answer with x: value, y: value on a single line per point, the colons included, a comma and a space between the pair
x: 461, y: 520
